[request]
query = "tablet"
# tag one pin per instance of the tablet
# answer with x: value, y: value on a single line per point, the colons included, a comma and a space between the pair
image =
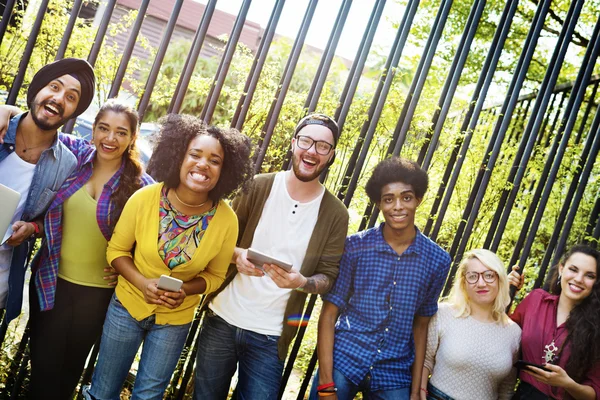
x: 258, y: 259
x: 524, y: 364
x: 10, y: 201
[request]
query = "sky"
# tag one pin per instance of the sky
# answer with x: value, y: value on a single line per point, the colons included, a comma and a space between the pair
x: 323, y: 20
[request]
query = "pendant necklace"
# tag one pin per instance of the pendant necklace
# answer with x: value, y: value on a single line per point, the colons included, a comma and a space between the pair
x: 25, y: 144
x: 186, y: 204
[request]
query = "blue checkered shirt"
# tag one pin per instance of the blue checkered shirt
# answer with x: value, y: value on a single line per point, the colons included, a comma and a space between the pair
x: 379, y: 293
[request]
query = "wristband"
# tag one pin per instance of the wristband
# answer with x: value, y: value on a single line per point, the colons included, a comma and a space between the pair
x: 325, y: 394
x: 36, y: 228
x: 425, y: 390
x: 325, y: 386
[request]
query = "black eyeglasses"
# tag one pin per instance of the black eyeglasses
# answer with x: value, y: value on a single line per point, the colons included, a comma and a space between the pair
x: 322, y: 147
x: 488, y: 276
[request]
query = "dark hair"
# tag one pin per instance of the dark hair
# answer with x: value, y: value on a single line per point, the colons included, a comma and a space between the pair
x: 130, y: 179
x: 396, y: 169
x: 174, y: 137
x: 583, y: 323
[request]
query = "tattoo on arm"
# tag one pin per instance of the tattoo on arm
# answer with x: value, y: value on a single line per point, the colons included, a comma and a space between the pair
x: 317, y: 284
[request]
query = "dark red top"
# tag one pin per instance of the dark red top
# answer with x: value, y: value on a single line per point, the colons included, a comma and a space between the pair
x: 536, y: 315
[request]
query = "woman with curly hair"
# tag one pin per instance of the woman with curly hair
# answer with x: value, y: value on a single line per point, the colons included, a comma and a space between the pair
x: 471, y: 343
x: 72, y: 283
x: 182, y: 228
x: 561, y: 331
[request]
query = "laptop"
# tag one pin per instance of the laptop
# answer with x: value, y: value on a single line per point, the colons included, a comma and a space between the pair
x: 9, y: 200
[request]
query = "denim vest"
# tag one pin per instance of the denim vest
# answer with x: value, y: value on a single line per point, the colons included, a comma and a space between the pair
x: 54, y: 166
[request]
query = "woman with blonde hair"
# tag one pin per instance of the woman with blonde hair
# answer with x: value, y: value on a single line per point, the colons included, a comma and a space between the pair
x: 471, y: 343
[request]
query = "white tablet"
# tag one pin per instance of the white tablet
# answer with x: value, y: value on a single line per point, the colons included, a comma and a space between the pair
x: 258, y: 259
x: 10, y: 201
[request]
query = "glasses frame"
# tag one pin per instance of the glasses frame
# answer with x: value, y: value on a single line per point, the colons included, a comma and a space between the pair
x: 314, y: 143
x: 480, y: 274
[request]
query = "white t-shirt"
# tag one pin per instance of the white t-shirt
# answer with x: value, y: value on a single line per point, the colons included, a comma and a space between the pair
x: 17, y: 175
x: 256, y: 303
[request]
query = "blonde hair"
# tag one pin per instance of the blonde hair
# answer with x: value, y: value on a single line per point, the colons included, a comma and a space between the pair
x: 458, y: 298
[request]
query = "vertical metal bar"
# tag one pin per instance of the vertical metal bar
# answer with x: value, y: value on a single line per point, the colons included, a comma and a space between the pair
x: 128, y: 50
x: 8, y: 7
x: 472, y: 209
x: 557, y: 159
x: 213, y: 97
x: 64, y: 42
x: 188, y: 69
x: 35, y: 30
x: 413, y: 96
x: 286, y: 79
x: 160, y: 55
x: 296, y: 346
x: 308, y: 377
x: 257, y: 65
x: 575, y: 192
x: 451, y: 83
x: 469, y: 123
x: 581, y: 83
x: 321, y: 75
x: 359, y: 62
x: 586, y: 115
x: 534, y: 124
x: 595, y: 233
x: 403, y: 30
x: 101, y: 33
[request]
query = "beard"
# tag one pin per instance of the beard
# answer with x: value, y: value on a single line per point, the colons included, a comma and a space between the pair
x: 43, y: 125
x: 305, y: 178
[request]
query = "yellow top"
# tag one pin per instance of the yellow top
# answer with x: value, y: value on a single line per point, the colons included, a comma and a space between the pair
x: 83, y: 247
x: 138, y: 225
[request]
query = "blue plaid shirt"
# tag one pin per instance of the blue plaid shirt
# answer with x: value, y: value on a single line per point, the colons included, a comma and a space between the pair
x: 379, y: 293
x: 45, y: 263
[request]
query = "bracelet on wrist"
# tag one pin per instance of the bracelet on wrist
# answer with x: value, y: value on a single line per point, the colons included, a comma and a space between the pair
x: 36, y: 228
x: 325, y: 386
x: 425, y: 390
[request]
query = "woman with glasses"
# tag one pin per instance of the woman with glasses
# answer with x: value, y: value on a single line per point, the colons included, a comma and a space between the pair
x: 471, y: 343
x: 561, y: 331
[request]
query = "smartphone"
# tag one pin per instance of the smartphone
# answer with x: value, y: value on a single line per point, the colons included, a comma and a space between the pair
x: 258, y: 259
x: 169, y: 283
x: 524, y: 364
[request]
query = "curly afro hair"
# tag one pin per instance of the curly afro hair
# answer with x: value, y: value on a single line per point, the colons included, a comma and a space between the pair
x: 396, y: 169
x: 174, y: 137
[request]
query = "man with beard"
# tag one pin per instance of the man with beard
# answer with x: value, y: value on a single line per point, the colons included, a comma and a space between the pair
x: 35, y: 163
x: 256, y: 313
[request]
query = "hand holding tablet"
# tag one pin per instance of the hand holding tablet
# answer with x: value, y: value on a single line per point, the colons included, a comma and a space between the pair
x: 258, y: 259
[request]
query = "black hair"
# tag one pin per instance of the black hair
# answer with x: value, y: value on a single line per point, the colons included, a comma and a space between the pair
x: 131, y: 178
x: 583, y: 323
x: 396, y: 169
x: 174, y: 137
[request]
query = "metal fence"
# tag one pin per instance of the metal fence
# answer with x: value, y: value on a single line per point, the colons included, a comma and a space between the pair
x: 545, y: 143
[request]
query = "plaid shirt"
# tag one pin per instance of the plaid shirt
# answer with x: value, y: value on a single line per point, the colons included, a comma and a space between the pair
x: 379, y: 293
x: 45, y: 264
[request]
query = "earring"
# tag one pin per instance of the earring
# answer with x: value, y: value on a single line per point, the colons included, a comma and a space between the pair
x: 559, y: 279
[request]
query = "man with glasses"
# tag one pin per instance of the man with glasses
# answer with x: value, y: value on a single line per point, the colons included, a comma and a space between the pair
x: 373, y: 324
x: 254, y: 316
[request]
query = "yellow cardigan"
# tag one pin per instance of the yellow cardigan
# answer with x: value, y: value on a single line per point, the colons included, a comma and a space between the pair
x: 138, y: 226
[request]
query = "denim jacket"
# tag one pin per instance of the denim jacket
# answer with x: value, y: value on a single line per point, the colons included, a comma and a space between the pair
x: 54, y: 166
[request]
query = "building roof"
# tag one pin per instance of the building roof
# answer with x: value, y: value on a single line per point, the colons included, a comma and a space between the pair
x: 191, y: 14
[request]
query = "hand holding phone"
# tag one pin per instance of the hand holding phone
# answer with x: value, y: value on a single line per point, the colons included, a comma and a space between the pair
x: 522, y: 364
x: 169, y: 283
x: 259, y: 259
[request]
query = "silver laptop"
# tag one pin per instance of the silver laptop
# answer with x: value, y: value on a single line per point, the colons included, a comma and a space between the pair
x: 9, y: 200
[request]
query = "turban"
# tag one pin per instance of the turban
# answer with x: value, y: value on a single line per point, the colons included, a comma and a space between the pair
x: 320, y: 119
x: 77, y: 68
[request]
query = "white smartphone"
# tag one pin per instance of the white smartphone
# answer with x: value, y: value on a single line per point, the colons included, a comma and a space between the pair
x: 169, y: 283
x: 258, y: 259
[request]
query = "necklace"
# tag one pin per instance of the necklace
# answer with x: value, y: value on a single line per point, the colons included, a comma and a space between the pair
x: 27, y: 147
x: 186, y: 204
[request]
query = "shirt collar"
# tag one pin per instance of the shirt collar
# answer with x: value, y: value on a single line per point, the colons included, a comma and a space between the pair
x: 415, y: 247
x: 11, y: 133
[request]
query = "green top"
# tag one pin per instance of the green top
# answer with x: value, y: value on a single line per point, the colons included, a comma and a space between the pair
x: 83, y: 247
x: 323, y: 254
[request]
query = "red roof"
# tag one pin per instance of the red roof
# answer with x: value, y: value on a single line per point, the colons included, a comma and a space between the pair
x: 191, y: 15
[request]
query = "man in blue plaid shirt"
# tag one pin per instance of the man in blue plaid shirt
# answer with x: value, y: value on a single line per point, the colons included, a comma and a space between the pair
x: 373, y: 325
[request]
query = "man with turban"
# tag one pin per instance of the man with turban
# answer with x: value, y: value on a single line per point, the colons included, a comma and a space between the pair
x: 35, y: 163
